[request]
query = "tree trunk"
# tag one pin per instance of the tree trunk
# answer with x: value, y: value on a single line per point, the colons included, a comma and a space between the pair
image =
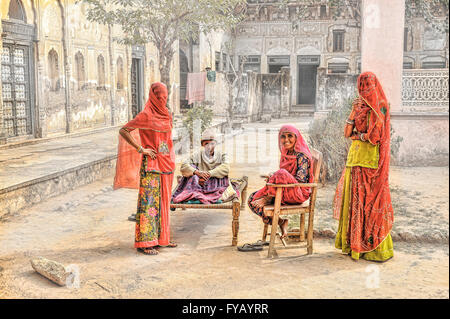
x: 112, y: 81
x: 66, y: 69
x: 230, y: 104
x: 165, y: 59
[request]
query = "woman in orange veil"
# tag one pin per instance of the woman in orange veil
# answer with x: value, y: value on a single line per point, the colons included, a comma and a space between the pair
x: 363, y: 201
x: 146, y: 161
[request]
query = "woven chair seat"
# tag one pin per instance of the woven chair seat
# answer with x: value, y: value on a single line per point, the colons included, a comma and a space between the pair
x: 303, y: 207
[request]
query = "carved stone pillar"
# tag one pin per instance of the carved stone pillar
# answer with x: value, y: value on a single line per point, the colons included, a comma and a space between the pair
x: 41, y: 125
x: 285, y: 91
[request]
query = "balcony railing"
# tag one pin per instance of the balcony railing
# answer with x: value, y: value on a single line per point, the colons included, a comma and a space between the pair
x: 425, y: 89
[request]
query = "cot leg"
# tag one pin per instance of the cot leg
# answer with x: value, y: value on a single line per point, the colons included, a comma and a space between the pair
x: 264, y: 236
x: 235, y: 222
x: 244, y: 196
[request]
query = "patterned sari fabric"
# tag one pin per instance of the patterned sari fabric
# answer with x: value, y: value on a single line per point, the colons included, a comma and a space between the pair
x: 295, y: 167
x: 189, y: 190
x: 362, y: 201
x: 148, y: 215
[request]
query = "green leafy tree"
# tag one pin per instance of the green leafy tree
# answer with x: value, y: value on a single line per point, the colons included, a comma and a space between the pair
x: 163, y: 22
x: 197, y: 115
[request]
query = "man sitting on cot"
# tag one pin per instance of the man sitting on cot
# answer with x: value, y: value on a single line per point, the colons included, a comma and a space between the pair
x: 205, y: 176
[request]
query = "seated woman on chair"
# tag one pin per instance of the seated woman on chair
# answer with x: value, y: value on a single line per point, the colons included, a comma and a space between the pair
x: 295, y: 167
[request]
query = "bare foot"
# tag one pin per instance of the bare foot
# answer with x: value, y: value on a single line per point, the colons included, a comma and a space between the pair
x: 148, y: 251
x: 260, y: 202
x: 171, y: 244
x: 284, y: 227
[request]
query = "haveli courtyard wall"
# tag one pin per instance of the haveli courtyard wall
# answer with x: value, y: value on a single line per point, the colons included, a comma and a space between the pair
x: 62, y: 73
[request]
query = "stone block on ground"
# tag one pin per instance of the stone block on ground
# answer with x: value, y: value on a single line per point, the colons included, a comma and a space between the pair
x: 51, y: 270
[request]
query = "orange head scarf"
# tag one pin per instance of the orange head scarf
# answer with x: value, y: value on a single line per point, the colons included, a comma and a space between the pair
x: 155, y: 115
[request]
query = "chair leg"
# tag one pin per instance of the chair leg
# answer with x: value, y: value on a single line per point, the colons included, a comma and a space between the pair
x: 276, y: 214
x: 235, y: 223
x: 273, y: 234
x: 302, y: 227
x: 309, y: 236
x: 264, y: 236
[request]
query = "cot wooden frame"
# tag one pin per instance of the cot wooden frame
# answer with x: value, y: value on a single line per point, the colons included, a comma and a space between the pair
x: 235, y: 205
x: 276, y: 210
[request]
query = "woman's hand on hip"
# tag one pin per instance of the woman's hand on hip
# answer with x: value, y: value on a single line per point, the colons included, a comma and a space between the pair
x: 149, y: 152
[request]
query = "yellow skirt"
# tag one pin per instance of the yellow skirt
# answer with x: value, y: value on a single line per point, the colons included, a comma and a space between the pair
x: 383, y: 252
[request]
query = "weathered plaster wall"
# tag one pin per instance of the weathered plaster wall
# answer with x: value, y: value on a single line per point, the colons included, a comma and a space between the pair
x: 217, y: 94
x: 425, y: 140
x: 333, y: 90
x: 91, y: 102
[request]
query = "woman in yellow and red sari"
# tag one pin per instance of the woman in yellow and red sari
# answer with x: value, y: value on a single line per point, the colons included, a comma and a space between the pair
x: 363, y: 202
x: 146, y: 160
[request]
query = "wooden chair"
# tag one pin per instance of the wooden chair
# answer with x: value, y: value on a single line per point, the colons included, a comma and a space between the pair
x: 235, y: 205
x: 306, y: 208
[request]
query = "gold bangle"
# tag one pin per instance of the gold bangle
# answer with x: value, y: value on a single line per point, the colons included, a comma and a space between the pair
x: 351, y: 122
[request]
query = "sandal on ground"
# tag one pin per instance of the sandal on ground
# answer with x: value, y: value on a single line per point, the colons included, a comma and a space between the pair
x: 148, y: 251
x: 171, y: 245
x: 132, y: 218
x: 259, y: 242
x: 250, y: 247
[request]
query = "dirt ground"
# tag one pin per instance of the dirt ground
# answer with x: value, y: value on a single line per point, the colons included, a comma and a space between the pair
x: 88, y: 227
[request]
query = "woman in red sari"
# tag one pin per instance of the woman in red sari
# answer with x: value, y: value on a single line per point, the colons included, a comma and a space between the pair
x: 146, y: 160
x: 295, y: 167
x: 363, y: 201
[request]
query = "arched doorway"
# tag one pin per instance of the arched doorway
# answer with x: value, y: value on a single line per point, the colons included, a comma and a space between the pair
x: 137, y: 79
x: 17, y: 72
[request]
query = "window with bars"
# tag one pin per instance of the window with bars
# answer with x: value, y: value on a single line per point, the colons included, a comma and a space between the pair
x: 79, y: 65
x: 433, y: 65
x: 53, y: 70
x: 338, y: 40
x: 337, y: 67
x: 407, y: 65
x: 217, y: 61
x: 323, y: 11
x: 15, y: 89
x: 224, y: 62
x: 101, y: 71
x: 119, y: 74
x: 405, y: 39
x: 16, y: 10
x: 250, y: 63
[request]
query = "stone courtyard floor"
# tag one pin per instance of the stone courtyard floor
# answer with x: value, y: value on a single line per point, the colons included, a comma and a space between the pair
x: 88, y: 227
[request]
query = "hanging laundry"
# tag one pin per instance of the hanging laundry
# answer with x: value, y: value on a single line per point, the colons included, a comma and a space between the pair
x: 211, y: 75
x: 195, y: 89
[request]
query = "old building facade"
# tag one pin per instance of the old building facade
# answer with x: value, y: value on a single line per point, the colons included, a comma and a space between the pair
x: 62, y: 73
x: 320, y: 50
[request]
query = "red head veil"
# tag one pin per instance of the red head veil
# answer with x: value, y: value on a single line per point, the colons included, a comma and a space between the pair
x: 289, y: 162
x: 154, y: 124
x: 378, y: 129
